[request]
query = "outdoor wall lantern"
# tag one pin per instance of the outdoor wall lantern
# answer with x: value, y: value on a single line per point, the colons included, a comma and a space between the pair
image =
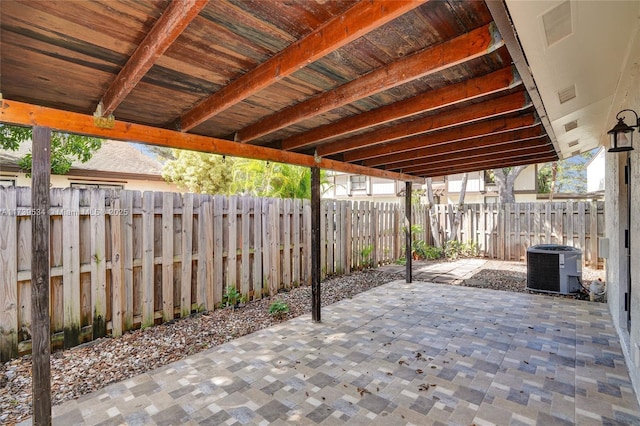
x: 622, y: 134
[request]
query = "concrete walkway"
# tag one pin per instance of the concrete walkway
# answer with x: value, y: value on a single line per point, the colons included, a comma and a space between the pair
x: 439, y: 272
x: 422, y: 354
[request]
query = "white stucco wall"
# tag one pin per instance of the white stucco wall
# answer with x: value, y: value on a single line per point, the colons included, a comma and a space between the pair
x: 627, y: 97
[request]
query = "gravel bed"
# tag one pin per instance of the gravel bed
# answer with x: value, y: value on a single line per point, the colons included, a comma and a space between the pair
x: 512, y: 276
x: 92, y: 366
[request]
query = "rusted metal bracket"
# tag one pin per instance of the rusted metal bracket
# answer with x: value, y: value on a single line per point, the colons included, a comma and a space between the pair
x: 102, y: 122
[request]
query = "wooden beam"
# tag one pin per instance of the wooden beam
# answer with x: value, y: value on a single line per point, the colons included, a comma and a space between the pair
x: 40, y: 282
x: 360, y: 19
x: 494, y: 164
x: 315, y: 245
x: 166, y: 30
x: 22, y: 114
x: 496, y: 142
x: 495, y: 82
x: 498, y: 10
x: 492, y: 108
x: 396, y: 151
x: 466, y: 47
x: 517, y: 149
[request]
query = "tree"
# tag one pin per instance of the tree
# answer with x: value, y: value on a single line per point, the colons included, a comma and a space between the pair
x: 455, y: 220
x: 65, y: 148
x: 433, y: 219
x: 199, y: 172
x: 505, y: 179
x: 216, y: 174
x: 565, y: 176
x: 267, y: 179
x: 545, y: 179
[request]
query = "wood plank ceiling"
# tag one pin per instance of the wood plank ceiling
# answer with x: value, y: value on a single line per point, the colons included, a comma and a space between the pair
x: 424, y: 88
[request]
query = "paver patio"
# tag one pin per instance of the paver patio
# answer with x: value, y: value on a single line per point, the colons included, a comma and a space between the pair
x: 399, y: 354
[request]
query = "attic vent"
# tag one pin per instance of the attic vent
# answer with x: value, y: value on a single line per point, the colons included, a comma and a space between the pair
x: 576, y: 152
x: 573, y: 143
x: 567, y: 94
x: 557, y: 23
x: 570, y: 126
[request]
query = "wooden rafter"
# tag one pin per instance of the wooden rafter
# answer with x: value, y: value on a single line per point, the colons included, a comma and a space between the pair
x: 497, y: 141
x: 166, y: 30
x: 466, y: 47
x: 492, y: 164
x: 514, y: 148
x: 23, y: 114
x: 339, y: 31
x: 397, y: 150
x: 484, y: 110
x: 495, y: 82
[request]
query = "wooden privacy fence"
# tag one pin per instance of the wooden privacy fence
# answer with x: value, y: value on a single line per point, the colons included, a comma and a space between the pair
x: 125, y: 259
x: 505, y: 231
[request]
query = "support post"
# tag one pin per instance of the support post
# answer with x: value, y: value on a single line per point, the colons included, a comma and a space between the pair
x: 40, y: 327
x: 315, y: 244
x: 407, y: 222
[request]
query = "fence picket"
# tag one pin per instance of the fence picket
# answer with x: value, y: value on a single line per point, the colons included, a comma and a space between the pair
x: 286, y: 243
x: 217, y: 281
x: 71, y: 266
x: 8, y: 275
x: 257, y: 249
x: 117, y: 268
x: 148, y: 210
x: 295, y: 273
x: 187, y: 255
x: 245, y: 282
x: 167, y: 256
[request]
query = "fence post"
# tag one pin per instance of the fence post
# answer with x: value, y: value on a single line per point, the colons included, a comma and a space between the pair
x: 40, y: 274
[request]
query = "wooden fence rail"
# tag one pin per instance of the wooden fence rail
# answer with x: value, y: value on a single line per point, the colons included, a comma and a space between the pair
x: 121, y: 260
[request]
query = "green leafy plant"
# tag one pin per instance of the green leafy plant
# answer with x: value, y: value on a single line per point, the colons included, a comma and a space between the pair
x: 420, y: 251
x: 455, y: 249
x: 433, y: 253
x: 365, y: 256
x: 278, y: 309
x: 231, y: 297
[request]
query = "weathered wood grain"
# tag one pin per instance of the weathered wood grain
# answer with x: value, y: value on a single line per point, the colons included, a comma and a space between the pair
x: 8, y: 275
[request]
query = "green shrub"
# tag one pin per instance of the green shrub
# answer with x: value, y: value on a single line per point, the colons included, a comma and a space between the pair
x: 420, y: 250
x: 278, y: 309
x: 231, y: 297
x: 455, y: 249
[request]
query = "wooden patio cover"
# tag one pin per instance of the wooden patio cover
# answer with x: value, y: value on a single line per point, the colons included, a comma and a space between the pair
x: 396, y: 89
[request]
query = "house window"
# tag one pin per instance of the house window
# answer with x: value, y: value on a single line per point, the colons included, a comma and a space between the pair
x: 490, y: 200
x: 358, y: 183
x: 6, y: 182
x: 93, y: 185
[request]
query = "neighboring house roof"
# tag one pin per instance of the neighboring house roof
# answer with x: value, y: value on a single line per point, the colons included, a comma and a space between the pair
x: 121, y: 159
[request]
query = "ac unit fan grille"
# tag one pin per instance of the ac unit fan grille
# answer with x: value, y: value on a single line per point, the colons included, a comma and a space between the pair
x: 543, y: 272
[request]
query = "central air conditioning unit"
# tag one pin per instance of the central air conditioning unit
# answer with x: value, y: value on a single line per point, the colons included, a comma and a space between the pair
x: 553, y: 268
